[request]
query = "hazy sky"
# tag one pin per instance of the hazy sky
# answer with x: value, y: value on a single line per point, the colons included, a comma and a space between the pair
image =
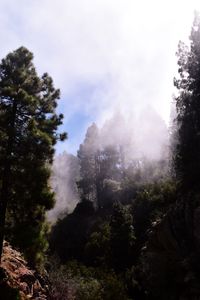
x: 104, y: 55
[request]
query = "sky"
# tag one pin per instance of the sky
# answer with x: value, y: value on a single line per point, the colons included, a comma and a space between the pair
x: 104, y: 55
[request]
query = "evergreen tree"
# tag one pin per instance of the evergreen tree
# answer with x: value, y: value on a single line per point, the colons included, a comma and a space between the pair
x: 187, y: 154
x: 109, y: 170
x: 98, y: 163
x: 87, y: 155
x: 28, y: 124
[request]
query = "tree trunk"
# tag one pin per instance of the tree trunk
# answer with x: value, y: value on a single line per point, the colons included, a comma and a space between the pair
x: 7, y: 176
x: 4, y: 202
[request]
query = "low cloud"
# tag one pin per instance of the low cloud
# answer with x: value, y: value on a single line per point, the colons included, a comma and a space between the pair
x: 125, y: 48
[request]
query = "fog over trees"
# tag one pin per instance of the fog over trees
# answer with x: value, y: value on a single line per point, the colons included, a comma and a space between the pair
x: 106, y: 154
x: 119, y: 219
x: 138, y: 206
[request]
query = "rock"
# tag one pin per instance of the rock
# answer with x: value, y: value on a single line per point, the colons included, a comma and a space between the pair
x: 18, y: 279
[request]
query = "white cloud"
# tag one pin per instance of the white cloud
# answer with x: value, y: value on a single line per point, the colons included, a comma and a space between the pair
x: 130, y: 45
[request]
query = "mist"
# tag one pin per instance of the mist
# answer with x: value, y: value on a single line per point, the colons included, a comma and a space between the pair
x: 103, y: 55
x: 114, y: 62
x: 144, y: 134
x: 65, y: 172
x: 143, y: 139
x: 99, y: 149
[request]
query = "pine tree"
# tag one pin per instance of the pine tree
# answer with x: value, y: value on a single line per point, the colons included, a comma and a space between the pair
x: 87, y: 155
x: 98, y: 163
x: 187, y: 154
x: 28, y: 125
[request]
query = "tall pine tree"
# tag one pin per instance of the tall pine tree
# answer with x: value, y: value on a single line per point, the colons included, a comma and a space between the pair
x: 187, y: 153
x: 28, y: 133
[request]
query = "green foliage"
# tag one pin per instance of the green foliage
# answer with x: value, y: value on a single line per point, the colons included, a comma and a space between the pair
x: 100, y: 169
x: 122, y: 237
x: 186, y: 158
x: 86, y: 283
x: 151, y: 204
x: 170, y: 258
x: 97, y: 249
x: 147, y: 244
x: 69, y: 235
x: 87, y: 159
x: 28, y: 126
x: 88, y: 289
x: 158, y: 197
x: 87, y: 236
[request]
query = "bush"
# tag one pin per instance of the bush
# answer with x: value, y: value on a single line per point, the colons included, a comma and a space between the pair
x: 76, y: 281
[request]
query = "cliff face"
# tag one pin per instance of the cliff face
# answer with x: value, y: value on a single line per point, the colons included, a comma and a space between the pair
x: 172, y: 255
x: 17, y: 281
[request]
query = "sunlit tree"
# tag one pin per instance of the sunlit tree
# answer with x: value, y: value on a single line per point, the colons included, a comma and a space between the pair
x: 28, y: 133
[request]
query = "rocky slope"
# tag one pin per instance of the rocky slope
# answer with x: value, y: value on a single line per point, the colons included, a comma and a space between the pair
x: 17, y: 280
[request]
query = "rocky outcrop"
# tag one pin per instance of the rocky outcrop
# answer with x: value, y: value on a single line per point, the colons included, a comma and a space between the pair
x: 17, y: 280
